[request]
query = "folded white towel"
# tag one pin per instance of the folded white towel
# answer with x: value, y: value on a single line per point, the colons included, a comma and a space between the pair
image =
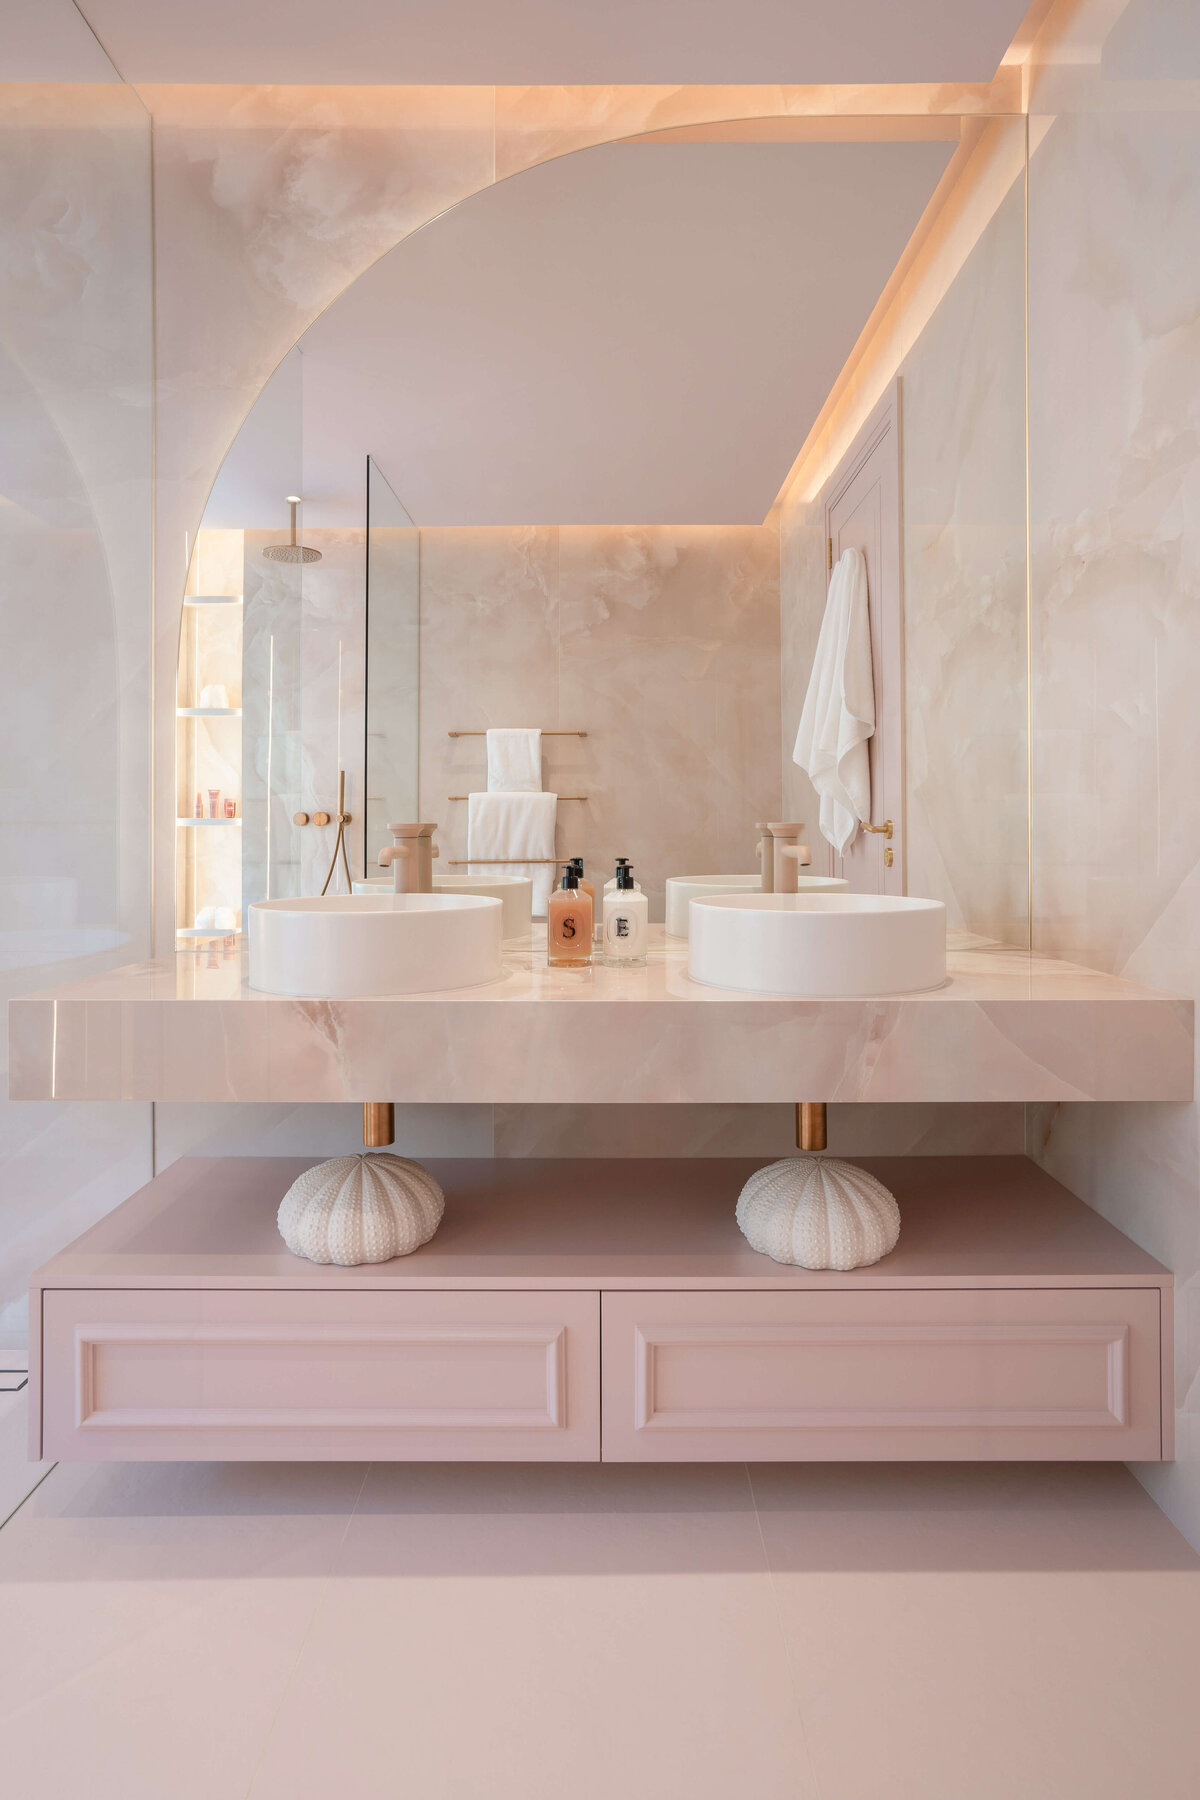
x: 514, y: 827
x: 839, y: 708
x: 514, y: 762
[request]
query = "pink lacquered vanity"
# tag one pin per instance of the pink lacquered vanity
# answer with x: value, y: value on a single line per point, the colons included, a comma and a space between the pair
x: 579, y: 1311
x: 606, y: 1309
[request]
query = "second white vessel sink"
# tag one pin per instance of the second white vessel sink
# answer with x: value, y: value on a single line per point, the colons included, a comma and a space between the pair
x: 683, y: 889
x: 818, y: 946
x: 365, y: 946
x: 514, y: 892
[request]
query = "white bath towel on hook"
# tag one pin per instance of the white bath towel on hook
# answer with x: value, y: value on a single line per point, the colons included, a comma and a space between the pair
x: 839, y: 709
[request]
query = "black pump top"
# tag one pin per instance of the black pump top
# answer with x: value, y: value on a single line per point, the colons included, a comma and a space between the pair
x: 624, y: 875
x: 570, y: 876
x: 577, y: 865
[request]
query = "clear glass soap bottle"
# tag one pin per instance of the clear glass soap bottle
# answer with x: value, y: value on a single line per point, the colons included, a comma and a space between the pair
x: 569, y: 916
x: 626, y: 920
x: 585, y: 886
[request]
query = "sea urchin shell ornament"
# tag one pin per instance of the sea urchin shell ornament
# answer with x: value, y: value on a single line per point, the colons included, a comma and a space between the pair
x: 360, y: 1209
x: 819, y: 1213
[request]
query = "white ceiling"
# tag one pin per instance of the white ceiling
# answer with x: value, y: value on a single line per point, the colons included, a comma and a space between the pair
x: 552, y: 41
x: 48, y: 40
x: 636, y: 334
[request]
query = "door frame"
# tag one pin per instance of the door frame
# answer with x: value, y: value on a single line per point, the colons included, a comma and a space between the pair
x: 881, y: 430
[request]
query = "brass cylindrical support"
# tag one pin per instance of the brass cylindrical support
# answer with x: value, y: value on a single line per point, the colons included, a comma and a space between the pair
x: 810, y: 1125
x: 379, y: 1124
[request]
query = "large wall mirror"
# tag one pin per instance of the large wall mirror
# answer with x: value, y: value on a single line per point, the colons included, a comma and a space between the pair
x: 580, y: 455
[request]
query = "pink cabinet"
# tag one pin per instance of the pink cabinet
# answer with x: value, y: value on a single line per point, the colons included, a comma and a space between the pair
x: 852, y: 1374
x: 558, y: 1299
x: 314, y: 1375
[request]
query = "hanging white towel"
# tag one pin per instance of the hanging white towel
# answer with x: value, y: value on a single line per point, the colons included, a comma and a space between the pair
x: 514, y: 762
x: 505, y: 829
x: 839, y: 708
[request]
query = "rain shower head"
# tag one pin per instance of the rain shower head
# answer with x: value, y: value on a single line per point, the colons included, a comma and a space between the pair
x: 292, y: 552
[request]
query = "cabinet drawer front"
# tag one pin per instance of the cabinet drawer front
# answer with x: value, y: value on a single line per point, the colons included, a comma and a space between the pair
x: 832, y: 1376
x: 184, y: 1374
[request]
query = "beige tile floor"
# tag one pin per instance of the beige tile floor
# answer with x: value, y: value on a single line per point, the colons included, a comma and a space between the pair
x: 280, y: 1632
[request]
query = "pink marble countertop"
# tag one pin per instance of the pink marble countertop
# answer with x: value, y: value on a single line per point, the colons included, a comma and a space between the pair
x: 1007, y: 1025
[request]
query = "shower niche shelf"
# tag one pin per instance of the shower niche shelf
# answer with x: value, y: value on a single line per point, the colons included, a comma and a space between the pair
x: 208, y: 747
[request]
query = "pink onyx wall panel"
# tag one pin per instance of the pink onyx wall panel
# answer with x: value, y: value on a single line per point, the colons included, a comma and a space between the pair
x: 160, y: 1375
x: 845, y: 1376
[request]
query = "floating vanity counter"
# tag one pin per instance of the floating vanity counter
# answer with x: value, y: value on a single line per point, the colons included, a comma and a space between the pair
x: 1005, y: 1026
x: 1011, y: 1322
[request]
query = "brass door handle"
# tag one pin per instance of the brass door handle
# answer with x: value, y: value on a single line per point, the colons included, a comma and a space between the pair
x: 884, y: 830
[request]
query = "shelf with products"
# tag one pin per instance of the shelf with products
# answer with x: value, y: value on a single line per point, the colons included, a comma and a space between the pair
x: 208, y: 753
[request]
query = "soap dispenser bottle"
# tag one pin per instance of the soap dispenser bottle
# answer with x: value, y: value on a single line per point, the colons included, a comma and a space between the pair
x: 585, y: 886
x: 626, y: 917
x: 615, y: 880
x: 569, y: 916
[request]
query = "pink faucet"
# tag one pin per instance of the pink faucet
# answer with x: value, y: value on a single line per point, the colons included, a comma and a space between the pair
x: 410, y: 857
x: 789, y: 855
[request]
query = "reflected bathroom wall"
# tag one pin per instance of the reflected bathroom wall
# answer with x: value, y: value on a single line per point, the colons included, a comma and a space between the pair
x: 393, y: 666
x: 75, y: 512
x: 953, y: 330
x: 661, y: 642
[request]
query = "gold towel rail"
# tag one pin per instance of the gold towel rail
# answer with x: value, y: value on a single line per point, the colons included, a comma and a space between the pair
x: 460, y: 862
x: 544, y: 734
x: 558, y: 796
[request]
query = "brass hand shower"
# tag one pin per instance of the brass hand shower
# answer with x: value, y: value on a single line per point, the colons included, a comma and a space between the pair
x: 343, y: 819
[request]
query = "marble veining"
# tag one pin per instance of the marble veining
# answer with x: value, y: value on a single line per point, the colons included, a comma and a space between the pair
x: 76, y: 480
x: 1006, y: 1026
x: 661, y: 642
x: 1115, y: 492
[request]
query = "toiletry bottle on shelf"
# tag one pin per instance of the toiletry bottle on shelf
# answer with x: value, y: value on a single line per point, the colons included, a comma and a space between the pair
x: 199, y: 805
x: 214, y: 796
x: 569, y: 916
x: 626, y: 915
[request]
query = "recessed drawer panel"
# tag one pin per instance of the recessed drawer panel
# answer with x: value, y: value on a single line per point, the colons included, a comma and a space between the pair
x: 847, y: 1375
x: 383, y: 1376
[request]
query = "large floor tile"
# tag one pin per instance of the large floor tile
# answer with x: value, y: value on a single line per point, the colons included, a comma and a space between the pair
x: 986, y: 1632
x: 152, y: 1617
x: 535, y: 1633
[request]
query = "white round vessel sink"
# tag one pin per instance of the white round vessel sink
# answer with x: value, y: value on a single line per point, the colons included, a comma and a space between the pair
x: 514, y: 892
x: 818, y: 946
x: 367, y: 946
x: 683, y: 889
